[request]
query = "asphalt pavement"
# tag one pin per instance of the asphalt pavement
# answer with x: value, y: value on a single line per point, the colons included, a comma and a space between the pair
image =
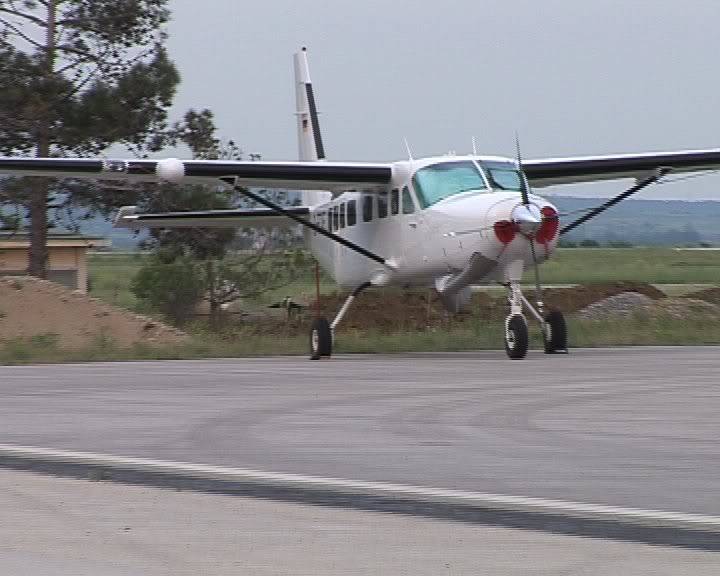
x: 68, y: 527
x: 628, y: 427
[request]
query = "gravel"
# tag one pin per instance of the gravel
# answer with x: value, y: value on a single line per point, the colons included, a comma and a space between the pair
x: 622, y: 304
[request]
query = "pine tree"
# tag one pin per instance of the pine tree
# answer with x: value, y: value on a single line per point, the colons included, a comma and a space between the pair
x: 77, y: 76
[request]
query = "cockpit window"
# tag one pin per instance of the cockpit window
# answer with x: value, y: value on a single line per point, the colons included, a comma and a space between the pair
x: 439, y: 181
x: 503, y: 176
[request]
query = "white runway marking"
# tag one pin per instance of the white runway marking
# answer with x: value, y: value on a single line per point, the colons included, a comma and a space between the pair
x: 480, y: 500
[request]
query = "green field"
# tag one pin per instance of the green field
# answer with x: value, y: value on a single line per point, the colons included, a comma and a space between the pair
x: 110, y: 274
x: 651, y: 265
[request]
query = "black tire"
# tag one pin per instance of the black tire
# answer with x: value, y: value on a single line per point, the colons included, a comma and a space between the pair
x: 516, y: 337
x: 555, y: 336
x: 320, y: 339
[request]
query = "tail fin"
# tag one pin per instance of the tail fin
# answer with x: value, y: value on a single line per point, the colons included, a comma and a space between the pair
x: 309, y: 138
x: 310, y: 144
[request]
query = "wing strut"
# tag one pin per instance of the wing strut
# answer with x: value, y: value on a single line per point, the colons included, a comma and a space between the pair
x: 314, y: 227
x: 657, y: 175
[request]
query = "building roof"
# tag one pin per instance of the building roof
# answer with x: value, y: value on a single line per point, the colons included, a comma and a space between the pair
x: 17, y: 240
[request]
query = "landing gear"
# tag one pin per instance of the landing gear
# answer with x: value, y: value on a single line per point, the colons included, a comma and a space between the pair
x: 320, y: 339
x: 516, y: 336
x: 552, y: 324
x: 322, y: 333
x: 555, y: 332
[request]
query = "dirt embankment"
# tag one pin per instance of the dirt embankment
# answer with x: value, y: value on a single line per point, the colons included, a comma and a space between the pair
x: 711, y: 295
x: 574, y: 299
x: 390, y: 310
x: 30, y: 307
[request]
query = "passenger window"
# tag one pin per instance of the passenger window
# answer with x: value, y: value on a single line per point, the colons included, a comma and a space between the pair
x: 394, y: 201
x: 351, y: 213
x: 408, y: 206
x: 382, y: 205
x: 335, y: 218
x: 367, y: 208
x: 342, y: 215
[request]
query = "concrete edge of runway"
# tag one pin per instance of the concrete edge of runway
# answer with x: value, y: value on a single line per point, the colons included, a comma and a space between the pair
x: 650, y: 526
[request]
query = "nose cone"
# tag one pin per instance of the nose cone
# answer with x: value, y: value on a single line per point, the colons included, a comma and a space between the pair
x: 527, y: 218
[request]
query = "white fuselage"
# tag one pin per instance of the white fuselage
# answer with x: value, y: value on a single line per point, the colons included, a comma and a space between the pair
x: 424, y: 242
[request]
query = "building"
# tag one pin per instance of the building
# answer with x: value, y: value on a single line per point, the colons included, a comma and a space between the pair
x: 67, y: 257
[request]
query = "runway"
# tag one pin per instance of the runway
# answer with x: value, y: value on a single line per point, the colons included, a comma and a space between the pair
x: 625, y: 427
x: 69, y: 527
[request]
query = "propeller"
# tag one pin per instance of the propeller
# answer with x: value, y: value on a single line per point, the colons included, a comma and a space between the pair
x: 523, y: 183
x: 528, y: 219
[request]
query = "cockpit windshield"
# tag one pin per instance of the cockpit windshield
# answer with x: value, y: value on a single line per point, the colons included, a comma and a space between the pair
x: 439, y: 181
x: 503, y: 176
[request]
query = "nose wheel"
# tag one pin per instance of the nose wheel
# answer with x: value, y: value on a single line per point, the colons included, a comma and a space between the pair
x: 552, y: 325
x: 516, y: 336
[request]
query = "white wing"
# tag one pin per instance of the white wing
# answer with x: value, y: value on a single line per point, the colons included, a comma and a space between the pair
x: 331, y: 176
x: 551, y: 171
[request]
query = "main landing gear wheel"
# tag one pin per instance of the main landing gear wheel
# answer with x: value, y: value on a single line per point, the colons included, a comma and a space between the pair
x: 320, y: 339
x: 555, y: 336
x: 516, y: 337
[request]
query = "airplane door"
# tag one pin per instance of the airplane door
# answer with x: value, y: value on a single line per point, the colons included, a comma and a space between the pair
x: 412, y: 226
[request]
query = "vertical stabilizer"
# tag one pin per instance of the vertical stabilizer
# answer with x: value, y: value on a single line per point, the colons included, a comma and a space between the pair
x: 310, y: 144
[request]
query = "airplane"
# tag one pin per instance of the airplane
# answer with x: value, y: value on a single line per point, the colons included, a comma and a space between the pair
x: 447, y: 222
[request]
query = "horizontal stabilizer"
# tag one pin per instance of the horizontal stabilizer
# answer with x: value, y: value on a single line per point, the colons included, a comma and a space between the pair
x: 235, y: 218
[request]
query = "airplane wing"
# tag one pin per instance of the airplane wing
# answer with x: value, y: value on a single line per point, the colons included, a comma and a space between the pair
x: 235, y: 218
x: 331, y: 176
x: 552, y: 171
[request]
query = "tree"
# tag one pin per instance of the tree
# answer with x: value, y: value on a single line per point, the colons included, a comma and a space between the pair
x: 75, y: 77
x: 171, y: 285
x: 224, y: 278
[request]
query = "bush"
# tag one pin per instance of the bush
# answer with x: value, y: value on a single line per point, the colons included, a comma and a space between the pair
x: 171, y: 288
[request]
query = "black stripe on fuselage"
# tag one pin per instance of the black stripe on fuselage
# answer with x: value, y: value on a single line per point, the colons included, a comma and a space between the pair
x: 600, y: 166
x: 319, y: 148
x: 310, y: 173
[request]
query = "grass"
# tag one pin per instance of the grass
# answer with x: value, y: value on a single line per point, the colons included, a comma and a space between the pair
x: 651, y: 265
x: 635, y: 330
x: 110, y: 274
x: 31, y: 351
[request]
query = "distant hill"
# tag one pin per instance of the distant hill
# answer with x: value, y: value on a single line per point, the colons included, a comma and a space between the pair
x: 640, y: 222
x: 645, y: 222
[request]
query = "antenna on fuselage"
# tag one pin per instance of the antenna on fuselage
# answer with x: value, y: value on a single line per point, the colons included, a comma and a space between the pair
x: 474, y: 146
x: 407, y: 147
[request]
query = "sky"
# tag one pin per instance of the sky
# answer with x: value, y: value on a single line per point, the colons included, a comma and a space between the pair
x: 572, y: 77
